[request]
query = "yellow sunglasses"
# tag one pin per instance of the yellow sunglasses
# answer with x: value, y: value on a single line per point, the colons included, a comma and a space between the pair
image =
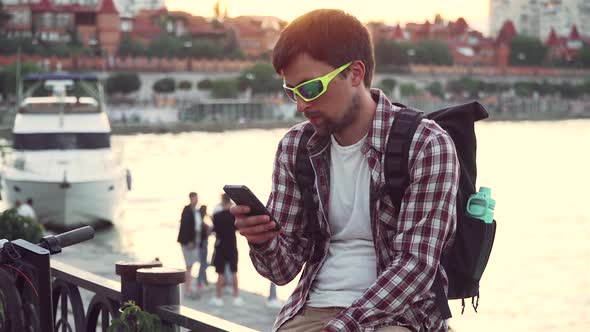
x: 314, y: 88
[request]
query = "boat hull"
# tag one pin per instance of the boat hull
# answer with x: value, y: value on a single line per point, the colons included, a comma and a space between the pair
x: 65, y: 206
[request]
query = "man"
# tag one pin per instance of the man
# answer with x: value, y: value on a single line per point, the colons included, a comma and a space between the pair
x: 190, y: 237
x: 370, y: 266
x: 226, y: 252
x: 227, y: 273
x: 26, y: 209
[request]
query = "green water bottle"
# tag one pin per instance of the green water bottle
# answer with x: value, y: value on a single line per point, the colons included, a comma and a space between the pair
x: 481, y: 205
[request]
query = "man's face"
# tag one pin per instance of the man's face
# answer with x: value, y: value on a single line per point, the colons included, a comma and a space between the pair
x: 195, y: 200
x: 336, y: 108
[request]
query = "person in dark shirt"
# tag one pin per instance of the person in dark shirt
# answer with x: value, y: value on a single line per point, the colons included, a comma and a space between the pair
x: 187, y: 236
x: 226, y: 251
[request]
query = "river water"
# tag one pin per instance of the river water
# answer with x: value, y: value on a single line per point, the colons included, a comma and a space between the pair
x: 537, y: 279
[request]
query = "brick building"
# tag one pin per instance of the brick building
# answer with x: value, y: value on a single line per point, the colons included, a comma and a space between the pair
x: 94, y: 24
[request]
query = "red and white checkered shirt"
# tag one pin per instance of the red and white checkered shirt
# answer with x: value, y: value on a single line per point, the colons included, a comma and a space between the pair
x: 408, y: 247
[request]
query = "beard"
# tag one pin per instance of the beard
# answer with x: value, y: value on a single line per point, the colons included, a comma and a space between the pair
x: 330, y: 126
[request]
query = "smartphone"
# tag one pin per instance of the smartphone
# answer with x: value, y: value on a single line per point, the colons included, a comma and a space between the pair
x: 242, y: 195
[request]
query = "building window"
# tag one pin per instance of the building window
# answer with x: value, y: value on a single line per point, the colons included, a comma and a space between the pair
x: 126, y: 26
x: 63, y: 20
x: 47, y: 20
x: 21, y: 17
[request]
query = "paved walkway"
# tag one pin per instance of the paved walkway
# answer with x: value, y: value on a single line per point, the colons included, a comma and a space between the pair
x: 254, y: 313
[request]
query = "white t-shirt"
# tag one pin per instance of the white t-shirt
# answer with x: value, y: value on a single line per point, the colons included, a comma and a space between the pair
x: 26, y: 210
x: 198, y: 226
x: 351, y: 265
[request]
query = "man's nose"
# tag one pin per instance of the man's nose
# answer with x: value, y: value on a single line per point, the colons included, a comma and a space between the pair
x: 302, y: 105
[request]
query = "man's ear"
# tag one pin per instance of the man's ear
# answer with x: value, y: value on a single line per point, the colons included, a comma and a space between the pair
x: 357, y: 70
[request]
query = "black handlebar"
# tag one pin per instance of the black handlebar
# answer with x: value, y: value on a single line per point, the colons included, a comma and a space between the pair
x: 54, y: 243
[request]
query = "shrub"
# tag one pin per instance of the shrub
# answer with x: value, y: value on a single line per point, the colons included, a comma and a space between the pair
x: 204, y: 84
x: 13, y: 226
x: 123, y: 83
x: 164, y: 85
x: 185, y: 85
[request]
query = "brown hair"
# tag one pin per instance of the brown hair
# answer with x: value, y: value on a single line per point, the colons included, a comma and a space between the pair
x: 328, y: 35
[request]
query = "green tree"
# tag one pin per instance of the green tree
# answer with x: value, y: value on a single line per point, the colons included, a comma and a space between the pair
x: 224, y: 88
x: 165, y: 46
x: 433, y: 52
x: 185, y: 85
x: 584, y: 57
x: 527, y: 51
x: 204, y: 84
x: 584, y: 87
x: 388, y: 84
x: 436, y: 89
x: 261, y: 78
x: 2, y: 84
x: 164, y: 85
x: 207, y: 49
x: 524, y: 89
x: 409, y: 90
x: 131, y: 47
x: 10, y: 75
x: 388, y: 52
x: 465, y: 85
x: 123, y: 83
x: 569, y: 91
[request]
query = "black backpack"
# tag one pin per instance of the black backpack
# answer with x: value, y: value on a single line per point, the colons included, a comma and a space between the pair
x: 466, y: 260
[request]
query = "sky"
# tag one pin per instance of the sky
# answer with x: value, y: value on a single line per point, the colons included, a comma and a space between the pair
x: 388, y: 11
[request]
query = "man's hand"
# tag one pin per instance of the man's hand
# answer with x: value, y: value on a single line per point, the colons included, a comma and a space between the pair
x: 191, y: 245
x: 256, y: 229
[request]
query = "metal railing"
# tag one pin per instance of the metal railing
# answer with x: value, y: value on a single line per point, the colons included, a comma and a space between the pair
x: 56, y: 304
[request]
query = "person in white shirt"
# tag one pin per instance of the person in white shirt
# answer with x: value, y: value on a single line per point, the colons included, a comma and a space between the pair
x: 26, y: 210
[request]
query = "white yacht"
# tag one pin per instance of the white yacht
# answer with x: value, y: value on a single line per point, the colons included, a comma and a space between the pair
x: 61, y: 155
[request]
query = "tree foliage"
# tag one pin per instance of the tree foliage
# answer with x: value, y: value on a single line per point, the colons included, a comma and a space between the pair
x: 10, y: 82
x: 389, y: 52
x: 433, y: 52
x: 527, y: 51
x: 388, y: 84
x: 123, y: 83
x: 164, y: 85
x: 261, y: 78
x: 130, y: 47
x: 185, y: 85
x: 204, y: 84
x: 583, y: 58
x: 224, y: 88
x: 409, y: 90
x: 436, y: 89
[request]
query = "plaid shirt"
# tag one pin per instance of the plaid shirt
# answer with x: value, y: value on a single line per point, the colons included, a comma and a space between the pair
x: 408, y: 246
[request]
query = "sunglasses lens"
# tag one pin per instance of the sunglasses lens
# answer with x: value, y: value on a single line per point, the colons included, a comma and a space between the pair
x: 311, y: 90
x: 290, y: 94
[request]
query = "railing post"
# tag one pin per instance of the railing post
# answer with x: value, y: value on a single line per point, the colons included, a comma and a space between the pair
x: 161, y: 286
x: 131, y: 289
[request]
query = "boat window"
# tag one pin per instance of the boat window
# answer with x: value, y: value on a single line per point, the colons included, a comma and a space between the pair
x: 61, y: 141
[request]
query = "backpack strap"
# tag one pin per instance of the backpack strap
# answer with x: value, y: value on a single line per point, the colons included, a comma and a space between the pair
x: 397, y: 154
x: 397, y: 177
x: 305, y: 178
